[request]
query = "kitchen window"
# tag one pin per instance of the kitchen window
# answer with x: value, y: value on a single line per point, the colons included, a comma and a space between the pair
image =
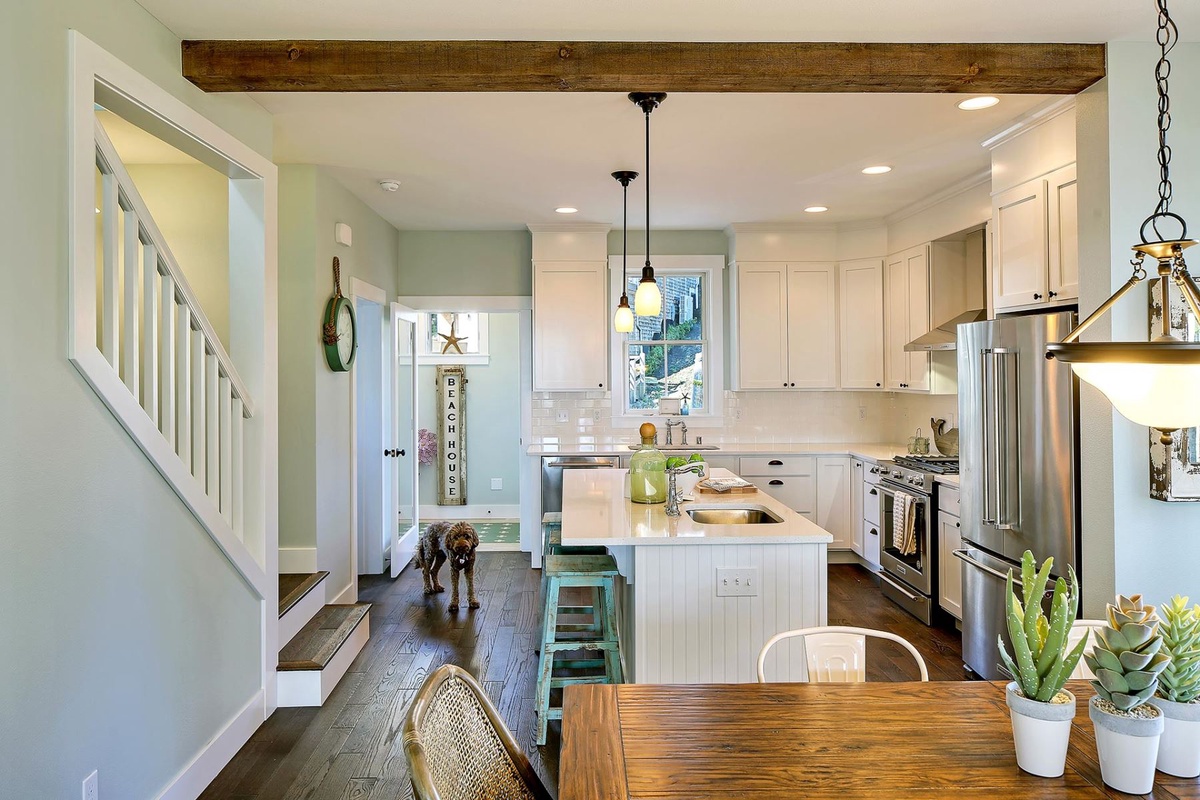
x: 676, y: 354
x: 447, y: 337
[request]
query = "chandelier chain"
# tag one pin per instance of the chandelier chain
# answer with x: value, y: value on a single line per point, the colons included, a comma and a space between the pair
x: 1167, y: 36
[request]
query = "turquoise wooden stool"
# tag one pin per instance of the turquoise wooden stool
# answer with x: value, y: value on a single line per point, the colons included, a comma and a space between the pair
x: 552, y: 545
x: 599, y: 638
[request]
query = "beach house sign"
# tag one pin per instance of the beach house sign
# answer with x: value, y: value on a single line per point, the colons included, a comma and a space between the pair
x: 452, y: 435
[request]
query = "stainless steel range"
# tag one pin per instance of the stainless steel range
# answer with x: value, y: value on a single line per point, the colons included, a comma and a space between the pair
x: 909, y: 552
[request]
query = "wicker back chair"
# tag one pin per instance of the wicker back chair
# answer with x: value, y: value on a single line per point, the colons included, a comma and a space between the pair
x: 458, y: 747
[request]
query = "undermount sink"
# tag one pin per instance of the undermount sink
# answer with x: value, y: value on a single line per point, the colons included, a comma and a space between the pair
x: 691, y: 448
x: 732, y: 516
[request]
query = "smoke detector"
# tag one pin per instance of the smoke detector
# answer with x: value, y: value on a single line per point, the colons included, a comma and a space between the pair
x: 389, y: 186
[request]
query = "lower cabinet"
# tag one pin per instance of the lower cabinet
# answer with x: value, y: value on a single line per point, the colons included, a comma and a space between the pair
x: 949, y: 539
x: 857, y: 492
x: 833, y: 499
x: 817, y: 488
x: 871, y: 536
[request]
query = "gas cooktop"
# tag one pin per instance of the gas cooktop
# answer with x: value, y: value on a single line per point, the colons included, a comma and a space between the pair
x: 938, y: 465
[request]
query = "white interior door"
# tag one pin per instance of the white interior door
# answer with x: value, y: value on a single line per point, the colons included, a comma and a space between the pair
x: 406, y: 462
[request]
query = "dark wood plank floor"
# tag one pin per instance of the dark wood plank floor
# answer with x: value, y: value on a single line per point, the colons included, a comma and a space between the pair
x: 350, y: 747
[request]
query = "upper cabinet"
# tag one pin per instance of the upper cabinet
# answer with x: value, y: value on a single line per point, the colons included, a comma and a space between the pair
x: 570, y: 326
x: 1036, y: 241
x: 906, y: 316
x: 861, y: 316
x: 785, y: 328
x: 1062, y: 234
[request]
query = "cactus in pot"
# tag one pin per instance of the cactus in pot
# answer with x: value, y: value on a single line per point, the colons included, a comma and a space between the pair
x: 1127, y: 661
x: 1178, y: 696
x: 1040, y: 664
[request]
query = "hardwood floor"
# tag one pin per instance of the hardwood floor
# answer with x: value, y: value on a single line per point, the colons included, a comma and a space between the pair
x: 350, y: 747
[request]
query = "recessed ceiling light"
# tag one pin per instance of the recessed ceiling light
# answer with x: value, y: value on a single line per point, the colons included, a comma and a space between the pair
x: 816, y: 209
x: 880, y: 170
x: 976, y: 103
x: 389, y: 185
x: 565, y: 210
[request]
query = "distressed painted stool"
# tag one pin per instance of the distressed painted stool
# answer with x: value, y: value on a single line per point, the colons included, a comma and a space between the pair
x: 598, y: 638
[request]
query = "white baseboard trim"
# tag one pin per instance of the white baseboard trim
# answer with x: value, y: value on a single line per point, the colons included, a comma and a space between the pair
x: 346, y: 596
x: 510, y: 547
x: 297, y: 560
x: 473, y: 512
x: 209, y: 762
x: 313, y: 687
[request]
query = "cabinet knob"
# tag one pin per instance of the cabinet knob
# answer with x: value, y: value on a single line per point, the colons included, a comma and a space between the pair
x: 791, y: 384
x: 958, y: 524
x: 785, y: 384
x: 1054, y: 294
x: 601, y: 385
x: 1037, y: 296
x: 878, y: 384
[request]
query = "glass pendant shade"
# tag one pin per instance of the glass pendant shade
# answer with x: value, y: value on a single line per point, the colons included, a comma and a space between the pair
x: 1154, y: 395
x: 648, y: 300
x: 623, y: 319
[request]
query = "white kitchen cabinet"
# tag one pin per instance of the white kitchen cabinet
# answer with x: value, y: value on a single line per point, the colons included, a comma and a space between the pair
x: 860, y: 311
x: 570, y: 326
x: 906, y: 316
x: 833, y: 499
x: 857, y: 492
x: 871, y: 536
x: 949, y: 539
x: 1035, y: 232
x: 786, y: 326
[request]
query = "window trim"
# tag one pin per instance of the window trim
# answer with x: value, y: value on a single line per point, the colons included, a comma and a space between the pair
x: 712, y: 267
x: 427, y: 356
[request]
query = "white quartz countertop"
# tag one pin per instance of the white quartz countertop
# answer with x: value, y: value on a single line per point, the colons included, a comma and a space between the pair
x: 597, y: 512
x: 869, y: 451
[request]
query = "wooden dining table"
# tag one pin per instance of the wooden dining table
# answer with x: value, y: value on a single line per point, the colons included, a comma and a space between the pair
x: 909, y: 741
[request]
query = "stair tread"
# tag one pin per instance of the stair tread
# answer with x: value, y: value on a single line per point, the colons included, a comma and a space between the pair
x: 319, y: 640
x: 293, y: 587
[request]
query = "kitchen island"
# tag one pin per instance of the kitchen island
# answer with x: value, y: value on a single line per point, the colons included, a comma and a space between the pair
x: 699, y: 599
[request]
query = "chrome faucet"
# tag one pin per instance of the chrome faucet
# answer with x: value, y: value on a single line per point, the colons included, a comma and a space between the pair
x: 683, y: 433
x: 671, y: 423
x: 672, y: 509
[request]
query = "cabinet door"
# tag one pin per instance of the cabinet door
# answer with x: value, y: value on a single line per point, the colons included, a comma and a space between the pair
x: 812, y: 326
x: 860, y: 313
x: 833, y: 499
x: 895, y: 321
x: 1019, y: 260
x: 871, y: 537
x: 949, y: 567
x: 857, y: 491
x: 797, y: 492
x: 570, y: 326
x: 916, y: 266
x: 762, y: 326
x: 1062, y: 210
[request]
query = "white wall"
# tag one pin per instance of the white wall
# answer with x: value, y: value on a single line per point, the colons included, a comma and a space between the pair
x: 130, y: 640
x: 1131, y: 543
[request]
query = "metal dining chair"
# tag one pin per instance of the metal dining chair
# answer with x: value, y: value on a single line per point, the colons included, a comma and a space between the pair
x: 458, y: 748
x: 1078, y: 631
x: 837, y: 653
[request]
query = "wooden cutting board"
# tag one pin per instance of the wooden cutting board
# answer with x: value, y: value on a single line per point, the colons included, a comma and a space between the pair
x: 702, y: 489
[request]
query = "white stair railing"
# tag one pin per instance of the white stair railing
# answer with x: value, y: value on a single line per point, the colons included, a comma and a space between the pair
x: 157, y: 341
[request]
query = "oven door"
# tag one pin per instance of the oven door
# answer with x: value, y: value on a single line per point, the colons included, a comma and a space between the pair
x: 915, y: 569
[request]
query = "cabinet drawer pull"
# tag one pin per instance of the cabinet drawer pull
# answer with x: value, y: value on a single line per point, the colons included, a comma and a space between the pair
x: 874, y: 532
x: 774, y: 462
x: 874, y: 491
x: 775, y: 483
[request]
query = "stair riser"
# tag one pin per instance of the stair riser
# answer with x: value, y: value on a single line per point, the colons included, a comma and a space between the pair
x: 298, y: 615
x: 313, y: 687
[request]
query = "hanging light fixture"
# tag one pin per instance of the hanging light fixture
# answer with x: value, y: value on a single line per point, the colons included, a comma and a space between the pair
x: 647, y: 301
x: 623, y: 319
x: 1153, y: 383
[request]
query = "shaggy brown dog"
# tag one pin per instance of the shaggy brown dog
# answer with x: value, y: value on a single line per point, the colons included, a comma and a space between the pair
x: 455, y: 542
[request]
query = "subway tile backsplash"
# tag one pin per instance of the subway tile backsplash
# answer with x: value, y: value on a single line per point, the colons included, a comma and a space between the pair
x: 756, y: 417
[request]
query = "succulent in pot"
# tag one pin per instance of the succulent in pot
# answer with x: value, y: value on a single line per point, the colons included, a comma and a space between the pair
x: 1042, y: 660
x: 1127, y: 661
x: 1178, y: 695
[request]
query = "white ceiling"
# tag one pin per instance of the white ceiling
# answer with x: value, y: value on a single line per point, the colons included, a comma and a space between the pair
x: 673, y: 20
x: 505, y: 160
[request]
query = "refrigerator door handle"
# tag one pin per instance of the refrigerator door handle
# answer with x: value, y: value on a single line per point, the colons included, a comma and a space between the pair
x: 962, y: 556
x: 987, y: 379
x: 1005, y: 401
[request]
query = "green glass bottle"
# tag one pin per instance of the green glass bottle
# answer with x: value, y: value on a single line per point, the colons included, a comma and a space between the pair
x: 648, y: 470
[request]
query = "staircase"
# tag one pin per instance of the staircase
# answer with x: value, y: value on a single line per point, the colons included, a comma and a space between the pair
x: 321, y: 640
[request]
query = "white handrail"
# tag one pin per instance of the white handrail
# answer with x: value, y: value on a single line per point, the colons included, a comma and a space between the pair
x: 131, y: 200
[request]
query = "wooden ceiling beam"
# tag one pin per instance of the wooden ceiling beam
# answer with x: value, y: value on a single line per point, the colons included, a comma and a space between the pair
x: 529, y: 66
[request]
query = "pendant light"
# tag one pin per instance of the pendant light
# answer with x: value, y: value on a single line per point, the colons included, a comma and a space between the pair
x: 1153, y: 383
x: 647, y: 301
x: 623, y: 319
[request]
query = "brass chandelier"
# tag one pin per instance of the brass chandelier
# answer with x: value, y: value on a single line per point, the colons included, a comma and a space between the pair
x: 1155, y: 383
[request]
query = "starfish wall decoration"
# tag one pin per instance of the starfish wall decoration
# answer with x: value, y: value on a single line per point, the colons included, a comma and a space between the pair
x: 452, y: 341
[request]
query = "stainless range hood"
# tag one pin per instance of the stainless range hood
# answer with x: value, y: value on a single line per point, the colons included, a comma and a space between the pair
x: 944, y: 336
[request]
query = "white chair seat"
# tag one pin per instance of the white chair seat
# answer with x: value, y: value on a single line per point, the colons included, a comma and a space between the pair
x: 836, y: 653
x: 1078, y: 631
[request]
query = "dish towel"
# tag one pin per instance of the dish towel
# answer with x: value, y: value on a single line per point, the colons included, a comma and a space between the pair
x: 904, y: 537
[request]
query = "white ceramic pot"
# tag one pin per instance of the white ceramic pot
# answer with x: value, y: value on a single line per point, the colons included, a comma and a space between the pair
x: 1128, y: 748
x: 1041, y: 732
x: 1179, y: 749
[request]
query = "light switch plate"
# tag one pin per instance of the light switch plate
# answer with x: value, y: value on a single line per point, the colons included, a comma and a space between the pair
x: 497, y: 484
x: 737, y: 581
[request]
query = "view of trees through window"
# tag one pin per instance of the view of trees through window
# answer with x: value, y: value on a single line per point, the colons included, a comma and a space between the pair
x: 666, y: 353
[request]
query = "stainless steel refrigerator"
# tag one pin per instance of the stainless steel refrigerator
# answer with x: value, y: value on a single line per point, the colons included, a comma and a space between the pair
x: 1018, y: 463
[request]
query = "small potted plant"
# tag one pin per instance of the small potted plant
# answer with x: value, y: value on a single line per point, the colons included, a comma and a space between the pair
x: 1178, y: 696
x: 1126, y: 662
x: 1040, y: 708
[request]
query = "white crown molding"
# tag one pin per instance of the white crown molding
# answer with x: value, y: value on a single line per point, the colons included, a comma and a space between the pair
x: 862, y: 224
x: 1033, y: 119
x: 569, y: 227
x: 778, y: 227
x: 954, y: 190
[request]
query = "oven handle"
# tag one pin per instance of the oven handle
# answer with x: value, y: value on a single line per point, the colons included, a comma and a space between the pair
x: 883, y: 577
x: 961, y: 555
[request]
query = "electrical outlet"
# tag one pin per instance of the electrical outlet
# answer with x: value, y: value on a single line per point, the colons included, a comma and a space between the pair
x: 862, y: 412
x: 91, y: 789
x: 497, y: 484
x: 596, y: 415
x: 562, y: 416
x: 737, y: 581
x: 737, y: 414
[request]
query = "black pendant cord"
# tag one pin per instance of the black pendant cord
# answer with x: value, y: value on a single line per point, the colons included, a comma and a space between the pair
x: 625, y: 241
x: 648, y: 186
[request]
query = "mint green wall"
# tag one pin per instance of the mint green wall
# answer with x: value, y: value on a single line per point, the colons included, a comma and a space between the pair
x: 489, y: 263
x: 315, y: 431
x: 130, y: 641
x: 674, y: 243
x: 493, y: 419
